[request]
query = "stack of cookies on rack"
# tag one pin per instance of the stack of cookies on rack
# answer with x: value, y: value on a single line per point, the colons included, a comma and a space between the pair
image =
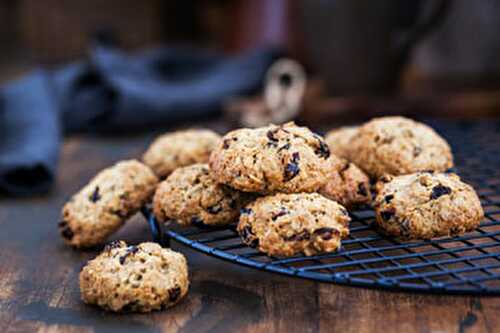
x: 268, y: 179
x: 288, y: 189
x: 415, y: 196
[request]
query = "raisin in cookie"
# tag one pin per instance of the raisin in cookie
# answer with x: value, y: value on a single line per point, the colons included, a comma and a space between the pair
x: 102, y: 206
x: 284, y: 158
x: 347, y: 184
x: 173, y: 150
x: 398, y: 146
x: 339, y: 140
x: 138, y: 278
x: 426, y: 205
x: 191, y: 196
x: 288, y: 224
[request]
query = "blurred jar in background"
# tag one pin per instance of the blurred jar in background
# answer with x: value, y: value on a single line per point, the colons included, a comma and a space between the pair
x: 465, y: 51
x: 360, y: 47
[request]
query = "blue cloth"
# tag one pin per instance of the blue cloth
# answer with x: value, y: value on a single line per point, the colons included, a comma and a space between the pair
x: 112, y: 91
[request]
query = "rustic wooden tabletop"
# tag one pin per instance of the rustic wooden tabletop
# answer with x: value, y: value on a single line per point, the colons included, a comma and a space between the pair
x: 39, y: 278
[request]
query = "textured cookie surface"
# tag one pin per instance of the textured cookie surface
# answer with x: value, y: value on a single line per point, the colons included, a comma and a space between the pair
x: 347, y: 184
x: 284, y: 158
x: 339, y: 140
x: 426, y: 205
x: 397, y: 146
x: 177, y: 149
x: 138, y: 278
x: 191, y: 196
x: 103, y: 205
x: 288, y: 224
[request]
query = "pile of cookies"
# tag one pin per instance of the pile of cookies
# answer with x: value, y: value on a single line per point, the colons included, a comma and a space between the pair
x: 288, y: 189
x: 407, y: 160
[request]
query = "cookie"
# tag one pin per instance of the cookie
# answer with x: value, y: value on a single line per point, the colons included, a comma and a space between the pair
x: 138, y: 278
x: 270, y: 159
x: 103, y: 205
x: 173, y: 150
x: 347, y: 184
x: 426, y: 205
x: 191, y: 196
x: 398, y: 146
x: 289, y: 224
x: 339, y: 140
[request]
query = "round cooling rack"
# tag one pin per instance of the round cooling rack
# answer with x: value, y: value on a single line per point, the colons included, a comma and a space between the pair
x: 469, y: 264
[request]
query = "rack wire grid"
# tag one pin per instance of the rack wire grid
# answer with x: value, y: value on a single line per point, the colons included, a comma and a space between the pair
x: 469, y: 264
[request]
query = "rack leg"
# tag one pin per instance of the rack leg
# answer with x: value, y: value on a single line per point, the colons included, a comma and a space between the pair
x: 159, y: 236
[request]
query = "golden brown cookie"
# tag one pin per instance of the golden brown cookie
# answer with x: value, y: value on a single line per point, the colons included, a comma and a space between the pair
x: 347, y: 184
x: 339, y: 140
x: 288, y: 224
x: 426, y: 205
x: 191, y: 196
x: 182, y: 148
x: 103, y: 205
x: 284, y: 158
x: 138, y: 278
x: 397, y: 146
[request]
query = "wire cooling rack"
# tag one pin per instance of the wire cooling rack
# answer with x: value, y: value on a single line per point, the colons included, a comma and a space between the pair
x: 469, y: 264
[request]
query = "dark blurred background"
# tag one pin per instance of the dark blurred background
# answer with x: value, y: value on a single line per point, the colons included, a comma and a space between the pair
x: 428, y: 56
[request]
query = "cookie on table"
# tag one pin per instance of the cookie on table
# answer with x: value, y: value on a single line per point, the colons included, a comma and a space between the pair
x: 398, y: 146
x: 426, y: 205
x: 182, y: 148
x: 138, y: 278
x: 339, y: 140
x: 103, y: 205
x: 289, y: 224
x: 190, y: 196
x: 285, y: 158
x: 347, y: 184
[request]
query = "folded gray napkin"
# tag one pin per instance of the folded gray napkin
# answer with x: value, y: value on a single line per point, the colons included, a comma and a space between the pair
x: 112, y: 91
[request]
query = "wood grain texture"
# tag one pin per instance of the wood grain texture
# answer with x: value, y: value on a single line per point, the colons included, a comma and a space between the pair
x: 39, y: 286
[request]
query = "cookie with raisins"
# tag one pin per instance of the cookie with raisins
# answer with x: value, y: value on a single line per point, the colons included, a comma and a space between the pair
x: 133, y: 278
x: 190, y: 196
x: 339, y: 140
x: 289, y: 224
x: 103, y: 205
x: 285, y: 158
x: 347, y: 184
x: 182, y: 148
x: 399, y: 146
x: 426, y: 205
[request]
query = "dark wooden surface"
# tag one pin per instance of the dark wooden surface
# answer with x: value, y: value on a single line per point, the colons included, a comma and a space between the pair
x: 39, y: 278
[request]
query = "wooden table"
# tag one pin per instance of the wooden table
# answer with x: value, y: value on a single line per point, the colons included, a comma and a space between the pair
x: 39, y: 278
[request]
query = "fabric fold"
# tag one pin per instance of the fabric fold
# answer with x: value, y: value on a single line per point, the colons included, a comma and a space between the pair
x: 113, y: 91
x: 29, y: 135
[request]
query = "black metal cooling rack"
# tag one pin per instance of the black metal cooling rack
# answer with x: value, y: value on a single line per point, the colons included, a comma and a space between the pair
x: 469, y: 264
